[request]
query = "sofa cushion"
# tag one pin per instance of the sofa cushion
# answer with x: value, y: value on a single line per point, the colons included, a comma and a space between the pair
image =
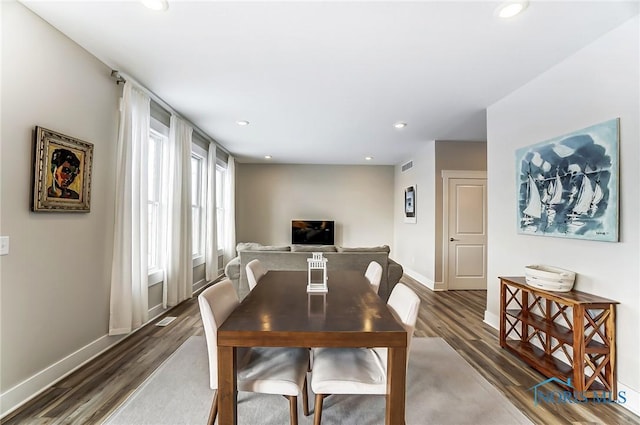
x: 254, y: 246
x: 273, y: 248
x: 313, y: 248
x: 358, y: 261
x: 383, y: 248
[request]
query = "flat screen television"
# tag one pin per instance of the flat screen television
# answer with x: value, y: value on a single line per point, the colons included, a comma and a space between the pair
x: 312, y: 232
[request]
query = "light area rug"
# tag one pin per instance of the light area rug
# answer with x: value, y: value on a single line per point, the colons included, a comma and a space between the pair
x: 442, y: 389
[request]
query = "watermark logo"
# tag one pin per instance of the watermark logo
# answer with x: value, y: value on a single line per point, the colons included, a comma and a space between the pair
x: 540, y: 395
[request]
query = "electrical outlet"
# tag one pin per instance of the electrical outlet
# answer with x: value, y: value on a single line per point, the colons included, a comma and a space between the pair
x: 4, y: 245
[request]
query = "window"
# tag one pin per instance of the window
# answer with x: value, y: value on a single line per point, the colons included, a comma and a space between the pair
x: 198, y: 202
x: 158, y: 139
x: 221, y: 171
x: 156, y: 203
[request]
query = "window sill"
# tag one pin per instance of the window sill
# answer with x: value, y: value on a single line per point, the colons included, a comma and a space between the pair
x: 198, y: 261
x: 155, y: 277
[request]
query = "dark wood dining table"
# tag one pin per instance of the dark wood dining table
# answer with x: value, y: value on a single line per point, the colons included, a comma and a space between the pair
x: 279, y: 312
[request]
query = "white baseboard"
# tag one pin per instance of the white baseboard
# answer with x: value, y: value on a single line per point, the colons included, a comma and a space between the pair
x: 31, y: 387
x: 34, y: 385
x: 439, y: 286
x: 199, y: 285
x: 491, y: 319
x: 423, y: 280
x: 633, y: 398
x: 156, y: 311
x: 632, y: 401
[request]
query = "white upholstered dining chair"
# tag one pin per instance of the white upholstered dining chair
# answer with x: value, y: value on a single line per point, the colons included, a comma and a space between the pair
x: 374, y: 274
x: 269, y: 370
x: 361, y: 370
x: 255, y: 270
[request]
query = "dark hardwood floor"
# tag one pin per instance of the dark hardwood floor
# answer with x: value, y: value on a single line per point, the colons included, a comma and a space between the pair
x: 90, y: 394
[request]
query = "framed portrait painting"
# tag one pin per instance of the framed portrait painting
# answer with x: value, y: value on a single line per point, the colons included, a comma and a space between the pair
x: 410, y: 204
x: 62, y: 172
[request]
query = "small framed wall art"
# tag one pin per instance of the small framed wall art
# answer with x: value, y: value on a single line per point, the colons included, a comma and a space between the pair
x: 62, y: 172
x: 410, y: 204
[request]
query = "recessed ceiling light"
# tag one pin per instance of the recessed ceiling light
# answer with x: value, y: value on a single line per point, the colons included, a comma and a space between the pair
x: 242, y: 123
x: 511, y: 9
x: 159, y: 5
x: 368, y: 158
x: 267, y: 157
x: 400, y: 125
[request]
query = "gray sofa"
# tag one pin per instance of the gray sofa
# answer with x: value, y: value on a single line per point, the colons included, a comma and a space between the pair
x: 294, y: 257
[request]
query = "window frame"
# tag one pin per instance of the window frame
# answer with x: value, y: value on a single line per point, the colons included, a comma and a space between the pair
x: 221, y: 209
x: 201, y: 155
x: 160, y: 131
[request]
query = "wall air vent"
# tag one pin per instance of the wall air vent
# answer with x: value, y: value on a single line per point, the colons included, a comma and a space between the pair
x: 407, y: 166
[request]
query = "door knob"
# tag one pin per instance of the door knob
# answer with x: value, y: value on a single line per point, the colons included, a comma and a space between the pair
x: 451, y: 239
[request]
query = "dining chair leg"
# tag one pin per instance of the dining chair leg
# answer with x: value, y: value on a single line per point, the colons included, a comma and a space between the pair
x: 293, y: 409
x: 317, y: 416
x: 214, y: 409
x: 305, y: 398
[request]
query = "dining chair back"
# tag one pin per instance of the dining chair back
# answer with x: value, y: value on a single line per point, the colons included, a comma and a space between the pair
x: 216, y: 304
x: 404, y: 305
x: 255, y: 270
x: 269, y: 370
x: 361, y: 370
x: 374, y: 274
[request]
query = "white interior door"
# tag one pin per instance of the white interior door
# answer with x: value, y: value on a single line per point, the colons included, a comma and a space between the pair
x: 467, y: 233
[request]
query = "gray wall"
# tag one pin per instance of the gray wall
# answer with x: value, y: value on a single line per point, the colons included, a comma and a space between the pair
x: 359, y: 199
x: 55, y: 282
x: 419, y: 245
x: 415, y: 242
x: 51, y: 319
x: 453, y: 155
x: 600, y: 82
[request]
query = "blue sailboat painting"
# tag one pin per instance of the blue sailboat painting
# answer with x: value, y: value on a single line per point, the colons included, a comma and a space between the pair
x: 568, y: 186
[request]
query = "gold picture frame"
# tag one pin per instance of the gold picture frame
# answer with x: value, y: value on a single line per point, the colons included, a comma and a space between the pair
x: 62, y: 172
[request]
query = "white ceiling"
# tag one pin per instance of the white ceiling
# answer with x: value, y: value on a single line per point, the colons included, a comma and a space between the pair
x: 324, y: 82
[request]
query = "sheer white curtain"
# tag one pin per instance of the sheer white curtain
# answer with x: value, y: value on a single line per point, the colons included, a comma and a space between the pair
x: 179, y: 258
x: 129, y: 299
x: 211, y: 240
x: 230, y: 213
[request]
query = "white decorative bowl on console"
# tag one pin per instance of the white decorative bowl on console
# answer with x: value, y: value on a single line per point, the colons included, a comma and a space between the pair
x: 549, y: 278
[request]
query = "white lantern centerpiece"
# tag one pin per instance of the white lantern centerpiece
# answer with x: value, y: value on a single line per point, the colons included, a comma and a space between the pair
x: 317, y: 273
